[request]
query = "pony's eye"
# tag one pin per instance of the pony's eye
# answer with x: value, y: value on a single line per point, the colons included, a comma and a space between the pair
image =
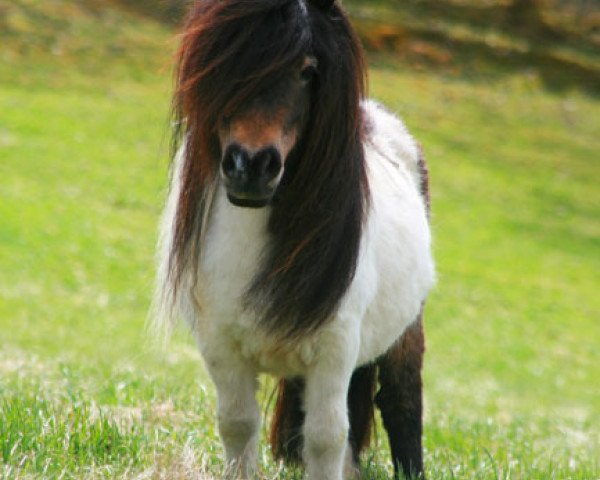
x: 308, y: 73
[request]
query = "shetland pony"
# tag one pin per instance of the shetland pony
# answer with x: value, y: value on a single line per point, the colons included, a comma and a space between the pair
x: 295, y: 238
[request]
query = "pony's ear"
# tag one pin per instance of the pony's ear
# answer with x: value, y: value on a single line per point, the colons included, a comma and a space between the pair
x: 322, y: 4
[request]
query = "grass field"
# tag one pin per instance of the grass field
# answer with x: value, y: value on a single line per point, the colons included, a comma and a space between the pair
x: 513, y: 364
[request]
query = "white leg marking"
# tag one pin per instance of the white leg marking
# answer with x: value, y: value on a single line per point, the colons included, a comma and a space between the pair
x: 326, y: 423
x: 351, y: 470
x: 238, y: 418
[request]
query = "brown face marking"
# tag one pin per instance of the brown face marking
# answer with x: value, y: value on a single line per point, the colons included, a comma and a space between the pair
x: 256, y: 130
x: 309, y: 61
x: 278, y: 125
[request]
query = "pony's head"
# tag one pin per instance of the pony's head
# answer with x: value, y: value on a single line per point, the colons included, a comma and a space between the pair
x: 249, y: 73
x: 258, y: 137
x: 246, y: 72
x: 268, y: 102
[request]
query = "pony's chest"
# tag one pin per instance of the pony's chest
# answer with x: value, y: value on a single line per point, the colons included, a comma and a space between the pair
x: 231, y: 256
x: 265, y: 353
x: 226, y: 326
x: 234, y: 244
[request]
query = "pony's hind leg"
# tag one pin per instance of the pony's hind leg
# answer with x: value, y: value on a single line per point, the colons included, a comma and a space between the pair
x: 400, y: 400
x: 361, y: 408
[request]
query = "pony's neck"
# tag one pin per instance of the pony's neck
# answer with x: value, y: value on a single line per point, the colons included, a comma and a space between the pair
x: 249, y: 224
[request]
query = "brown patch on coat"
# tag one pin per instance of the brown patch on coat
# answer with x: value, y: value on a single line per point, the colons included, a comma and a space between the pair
x: 361, y: 409
x: 424, y: 174
x: 400, y: 400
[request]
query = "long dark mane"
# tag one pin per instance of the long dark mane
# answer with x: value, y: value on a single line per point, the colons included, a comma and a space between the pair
x: 232, y: 50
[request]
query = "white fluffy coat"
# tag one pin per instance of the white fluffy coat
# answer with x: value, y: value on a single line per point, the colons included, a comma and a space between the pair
x: 393, y: 276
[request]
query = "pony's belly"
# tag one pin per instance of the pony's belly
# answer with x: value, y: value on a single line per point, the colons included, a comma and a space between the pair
x: 402, y: 263
x: 379, y: 332
x: 396, y: 306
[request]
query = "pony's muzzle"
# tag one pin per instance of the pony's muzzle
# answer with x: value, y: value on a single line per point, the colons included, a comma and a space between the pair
x: 251, y: 177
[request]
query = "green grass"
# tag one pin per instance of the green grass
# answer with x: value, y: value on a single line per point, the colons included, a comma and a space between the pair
x: 512, y: 366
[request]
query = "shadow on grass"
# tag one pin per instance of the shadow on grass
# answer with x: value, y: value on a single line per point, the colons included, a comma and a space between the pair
x: 424, y: 34
x: 471, y: 57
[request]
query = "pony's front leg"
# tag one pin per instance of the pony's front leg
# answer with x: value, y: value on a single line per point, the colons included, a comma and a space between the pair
x: 326, y: 425
x: 238, y: 416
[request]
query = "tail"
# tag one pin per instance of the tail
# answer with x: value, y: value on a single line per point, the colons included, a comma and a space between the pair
x: 286, y: 428
x: 288, y: 418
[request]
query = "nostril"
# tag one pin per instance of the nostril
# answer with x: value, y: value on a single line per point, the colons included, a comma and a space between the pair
x: 234, y: 162
x: 228, y: 166
x: 274, y: 166
x: 268, y: 163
